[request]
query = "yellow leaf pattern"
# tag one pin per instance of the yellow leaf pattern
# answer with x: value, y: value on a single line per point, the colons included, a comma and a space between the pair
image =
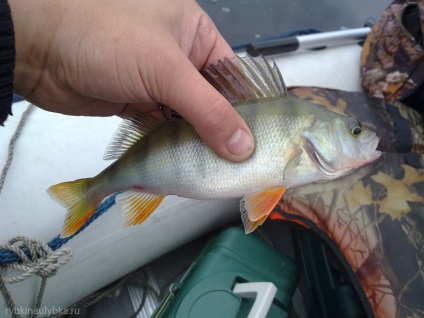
x: 399, y: 192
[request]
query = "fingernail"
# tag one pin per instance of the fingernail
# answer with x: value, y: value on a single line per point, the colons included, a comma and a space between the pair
x: 239, y: 143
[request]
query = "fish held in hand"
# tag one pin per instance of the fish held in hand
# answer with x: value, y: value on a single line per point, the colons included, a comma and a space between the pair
x: 296, y: 143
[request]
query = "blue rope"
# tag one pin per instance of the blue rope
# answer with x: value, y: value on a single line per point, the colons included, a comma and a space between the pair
x: 7, y: 256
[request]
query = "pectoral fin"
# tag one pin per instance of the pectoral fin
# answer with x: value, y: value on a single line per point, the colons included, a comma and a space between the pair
x: 137, y: 207
x: 256, y: 207
x: 290, y: 169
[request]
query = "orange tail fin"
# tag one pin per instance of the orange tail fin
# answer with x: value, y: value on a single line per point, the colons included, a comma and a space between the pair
x: 73, y: 196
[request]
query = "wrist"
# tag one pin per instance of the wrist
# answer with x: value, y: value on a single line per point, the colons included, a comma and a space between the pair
x: 34, y: 28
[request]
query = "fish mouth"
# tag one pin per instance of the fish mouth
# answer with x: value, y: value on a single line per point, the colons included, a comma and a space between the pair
x: 370, y: 148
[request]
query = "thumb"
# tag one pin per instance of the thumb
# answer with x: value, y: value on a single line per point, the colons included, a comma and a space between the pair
x: 212, y: 116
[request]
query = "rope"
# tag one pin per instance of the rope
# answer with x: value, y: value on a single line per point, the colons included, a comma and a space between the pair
x: 9, y: 301
x: 12, y: 145
x: 50, y: 262
x: 41, y: 261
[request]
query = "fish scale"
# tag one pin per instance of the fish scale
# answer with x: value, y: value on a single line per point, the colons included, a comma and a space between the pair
x: 296, y: 143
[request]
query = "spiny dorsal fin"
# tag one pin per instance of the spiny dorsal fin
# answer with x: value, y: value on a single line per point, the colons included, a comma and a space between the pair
x: 246, y: 79
x: 129, y: 132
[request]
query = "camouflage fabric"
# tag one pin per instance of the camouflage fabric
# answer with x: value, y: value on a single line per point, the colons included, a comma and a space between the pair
x: 376, y: 214
x: 392, y: 57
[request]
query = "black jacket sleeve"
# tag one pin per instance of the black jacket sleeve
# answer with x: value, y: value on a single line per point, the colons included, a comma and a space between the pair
x: 7, y: 61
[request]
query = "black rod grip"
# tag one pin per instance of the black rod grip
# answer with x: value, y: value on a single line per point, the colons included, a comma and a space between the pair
x: 275, y: 46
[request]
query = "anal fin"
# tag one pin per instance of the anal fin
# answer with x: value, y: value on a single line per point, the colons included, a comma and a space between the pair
x: 256, y: 207
x: 137, y: 207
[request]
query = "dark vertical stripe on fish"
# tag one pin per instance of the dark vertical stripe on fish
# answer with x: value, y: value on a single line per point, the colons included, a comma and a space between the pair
x: 254, y: 111
x: 174, y: 145
x: 200, y: 157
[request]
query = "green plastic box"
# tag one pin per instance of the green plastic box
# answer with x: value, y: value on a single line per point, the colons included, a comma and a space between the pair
x: 231, y: 258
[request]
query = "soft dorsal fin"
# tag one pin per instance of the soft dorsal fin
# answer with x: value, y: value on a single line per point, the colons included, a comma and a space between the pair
x: 246, y: 78
x: 129, y: 132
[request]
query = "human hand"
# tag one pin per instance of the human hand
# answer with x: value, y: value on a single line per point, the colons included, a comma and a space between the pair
x: 106, y: 57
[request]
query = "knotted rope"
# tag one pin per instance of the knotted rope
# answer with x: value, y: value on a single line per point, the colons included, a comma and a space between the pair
x: 42, y: 260
x: 37, y: 258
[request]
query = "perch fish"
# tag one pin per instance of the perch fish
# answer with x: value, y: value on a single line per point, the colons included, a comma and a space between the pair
x: 296, y: 143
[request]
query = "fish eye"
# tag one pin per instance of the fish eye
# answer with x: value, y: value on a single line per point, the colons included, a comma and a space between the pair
x: 355, y: 128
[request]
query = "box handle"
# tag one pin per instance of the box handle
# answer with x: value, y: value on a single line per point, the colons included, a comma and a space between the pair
x: 264, y: 292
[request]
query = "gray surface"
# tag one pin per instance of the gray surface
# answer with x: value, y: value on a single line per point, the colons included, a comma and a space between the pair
x: 245, y: 21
